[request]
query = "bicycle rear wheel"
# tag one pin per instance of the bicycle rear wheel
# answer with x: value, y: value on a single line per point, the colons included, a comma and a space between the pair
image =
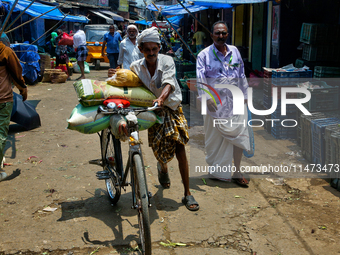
x: 112, y: 163
x: 142, y: 201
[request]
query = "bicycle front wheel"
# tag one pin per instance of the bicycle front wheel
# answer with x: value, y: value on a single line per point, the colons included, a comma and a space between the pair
x: 112, y: 162
x: 142, y: 202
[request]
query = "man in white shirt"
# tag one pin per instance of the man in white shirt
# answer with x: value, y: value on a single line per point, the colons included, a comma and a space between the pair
x: 128, y: 49
x: 158, y: 73
x: 79, y: 44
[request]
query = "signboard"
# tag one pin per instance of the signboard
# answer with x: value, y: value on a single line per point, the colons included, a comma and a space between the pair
x: 123, y: 6
x: 103, y: 2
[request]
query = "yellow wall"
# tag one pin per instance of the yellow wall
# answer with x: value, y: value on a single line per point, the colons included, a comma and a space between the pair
x: 238, y: 32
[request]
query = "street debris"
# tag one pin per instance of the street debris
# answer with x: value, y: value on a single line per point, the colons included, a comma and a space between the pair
x: 170, y: 244
x: 277, y: 182
x: 49, y: 209
x: 93, y: 252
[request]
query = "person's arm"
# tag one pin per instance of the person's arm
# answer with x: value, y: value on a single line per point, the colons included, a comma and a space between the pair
x: 121, y: 55
x: 200, y: 73
x: 243, y: 83
x: 15, y: 70
x: 103, y: 47
x: 164, y: 95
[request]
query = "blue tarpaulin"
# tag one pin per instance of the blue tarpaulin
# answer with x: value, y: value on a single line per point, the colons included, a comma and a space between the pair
x: 176, y: 9
x: 176, y: 20
x: 143, y: 22
x: 216, y: 4
x: 37, y: 9
x: 29, y: 60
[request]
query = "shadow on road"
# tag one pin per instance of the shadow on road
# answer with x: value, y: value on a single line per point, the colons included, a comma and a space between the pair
x: 13, y: 175
x: 120, y: 218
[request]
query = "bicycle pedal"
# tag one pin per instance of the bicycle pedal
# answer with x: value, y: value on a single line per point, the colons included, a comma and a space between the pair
x: 102, y: 173
x: 97, y: 162
x: 103, y: 177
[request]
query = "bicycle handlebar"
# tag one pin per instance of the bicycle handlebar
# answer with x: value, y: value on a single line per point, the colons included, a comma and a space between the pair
x: 124, y: 111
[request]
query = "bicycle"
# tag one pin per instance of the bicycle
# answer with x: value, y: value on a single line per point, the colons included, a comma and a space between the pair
x: 114, y: 176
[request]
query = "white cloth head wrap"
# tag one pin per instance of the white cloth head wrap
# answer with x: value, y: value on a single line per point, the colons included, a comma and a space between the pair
x: 132, y: 26
x: 148, y: 35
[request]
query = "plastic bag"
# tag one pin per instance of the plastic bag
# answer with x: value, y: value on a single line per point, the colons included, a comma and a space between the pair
x: 66, y: 39
x: 82, y: 120
x: 251, y: 152
x: 124, y: 78
x: 76, y: 67
x: 117, y: 123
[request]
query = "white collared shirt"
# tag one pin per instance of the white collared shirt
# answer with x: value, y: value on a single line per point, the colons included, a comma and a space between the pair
x: 128, y: 52
x: 79, y: 38
x: 165, y: 73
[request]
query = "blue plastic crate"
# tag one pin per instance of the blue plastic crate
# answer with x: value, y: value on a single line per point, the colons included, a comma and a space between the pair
x: 279, y: 132
x: 289, y: 115
x: 281, y: 78
x: 267, y: 101
x: 292, y: 74
x: 318, y: 142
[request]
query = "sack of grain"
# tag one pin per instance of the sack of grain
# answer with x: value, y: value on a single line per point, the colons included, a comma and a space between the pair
x: 48, y: 73
x: 91, y: 92
x: 82, y: 120
x: 59, y: 77
x: 124, y: 78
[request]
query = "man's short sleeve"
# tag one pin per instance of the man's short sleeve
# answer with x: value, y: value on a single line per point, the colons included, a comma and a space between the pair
x: 105, y: 37
x: 169, y: 73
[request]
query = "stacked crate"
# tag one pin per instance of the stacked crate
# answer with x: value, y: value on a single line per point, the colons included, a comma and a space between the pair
x: 185, y: 70
x: 283, y: 79
x: 318, y: 138
x: 329, y: 74
x: 306, y: 134
x: 329, y: 131
x: 320, y: 42
x: 323, y: 97
x: 335, y: 157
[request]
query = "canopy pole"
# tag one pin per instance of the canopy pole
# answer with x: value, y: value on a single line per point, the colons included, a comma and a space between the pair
x: 154, y: 19
x: 31, y: 20
x: 177, y: 33
x: 19, y: 15
x: 194, y: 17
x: 8, y: 16
x: 49, y: 29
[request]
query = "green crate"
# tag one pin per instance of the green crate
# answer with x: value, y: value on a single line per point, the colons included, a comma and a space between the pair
x: 321, y: 53
x: 184, y: 83
x: 326, y: 72
x: 313, y: 33
x: 322, y: 99
x: 189, y: 75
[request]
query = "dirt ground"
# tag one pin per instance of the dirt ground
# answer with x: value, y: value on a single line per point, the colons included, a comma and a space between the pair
x: 293, y: 214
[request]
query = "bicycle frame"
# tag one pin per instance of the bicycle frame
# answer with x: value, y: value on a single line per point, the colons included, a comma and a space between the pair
x: 134, y: 148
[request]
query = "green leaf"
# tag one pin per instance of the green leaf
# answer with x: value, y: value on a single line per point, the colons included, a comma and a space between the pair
x: 238, y: 197
x: 204, y: 181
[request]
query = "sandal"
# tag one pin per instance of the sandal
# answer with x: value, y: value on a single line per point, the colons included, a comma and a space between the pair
x: 189, y: 201
x: 163, y: 178
x: 241, y: 181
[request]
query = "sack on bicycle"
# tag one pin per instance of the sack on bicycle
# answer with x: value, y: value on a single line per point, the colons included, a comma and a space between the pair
x: 124, y: 78
x: 118, y: 127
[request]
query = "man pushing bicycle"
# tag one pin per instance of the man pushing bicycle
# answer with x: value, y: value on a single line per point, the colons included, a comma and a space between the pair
x: 158, y: 73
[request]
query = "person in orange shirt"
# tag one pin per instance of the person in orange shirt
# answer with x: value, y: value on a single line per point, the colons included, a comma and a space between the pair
x: 10, y: 71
